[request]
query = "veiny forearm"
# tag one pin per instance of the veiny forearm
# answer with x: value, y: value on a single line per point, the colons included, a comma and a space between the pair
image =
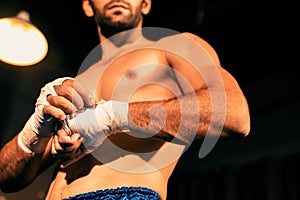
x: 186, y: 119
x: 17, y: 168
x: 178, y: 117
x: 163, y: 118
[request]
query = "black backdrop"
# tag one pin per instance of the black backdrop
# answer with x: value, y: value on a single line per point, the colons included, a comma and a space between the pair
x: 257, y: 42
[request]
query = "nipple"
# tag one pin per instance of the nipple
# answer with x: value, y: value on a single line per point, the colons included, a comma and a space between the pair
x: 131, y: 74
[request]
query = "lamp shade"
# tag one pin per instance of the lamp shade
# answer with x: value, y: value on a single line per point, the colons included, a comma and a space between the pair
x: 21, y: 43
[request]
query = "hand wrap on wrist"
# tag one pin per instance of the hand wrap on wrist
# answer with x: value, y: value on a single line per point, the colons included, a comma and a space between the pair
x: 39, y: 128
x: 95, y: 125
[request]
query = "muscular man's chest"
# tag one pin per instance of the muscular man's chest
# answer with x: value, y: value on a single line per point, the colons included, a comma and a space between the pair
x: 136, y: 76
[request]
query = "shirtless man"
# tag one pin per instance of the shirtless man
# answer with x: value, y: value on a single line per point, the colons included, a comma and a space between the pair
x: 115, y: 143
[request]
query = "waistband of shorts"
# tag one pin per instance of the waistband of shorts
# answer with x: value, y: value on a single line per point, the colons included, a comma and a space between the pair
x: 120, y: 193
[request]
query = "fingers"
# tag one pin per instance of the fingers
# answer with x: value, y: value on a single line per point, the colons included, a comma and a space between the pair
x: 84, y: 93
x: 55, y: 112
x: 61, y: 103
x: 76, y: 92
x: 65, y: 146
x: 70, y: 97
x: 69, y: 94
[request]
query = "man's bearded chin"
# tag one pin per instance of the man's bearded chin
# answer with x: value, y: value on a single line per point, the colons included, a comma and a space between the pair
x: 109, y: 28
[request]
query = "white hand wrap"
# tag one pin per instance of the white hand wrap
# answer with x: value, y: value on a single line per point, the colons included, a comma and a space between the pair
x: 95, y: 125
x: 39, y: 128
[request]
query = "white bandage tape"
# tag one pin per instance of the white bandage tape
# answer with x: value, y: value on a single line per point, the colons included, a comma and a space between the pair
x: 48, y: 89
x: 118, y: 111
x: 39, y: 127
x: 95, y: 125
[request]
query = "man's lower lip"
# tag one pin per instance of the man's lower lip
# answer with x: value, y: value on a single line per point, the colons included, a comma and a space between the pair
x: 117, y: 7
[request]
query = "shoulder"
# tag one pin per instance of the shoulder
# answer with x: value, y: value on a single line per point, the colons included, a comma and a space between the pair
x: 204, y: 44
x: 187, y: 44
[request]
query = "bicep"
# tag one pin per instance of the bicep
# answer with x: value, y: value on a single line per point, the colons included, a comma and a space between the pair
x: 195, y: 63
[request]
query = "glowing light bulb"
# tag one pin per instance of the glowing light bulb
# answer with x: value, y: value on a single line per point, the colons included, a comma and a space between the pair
x: 21, y: 43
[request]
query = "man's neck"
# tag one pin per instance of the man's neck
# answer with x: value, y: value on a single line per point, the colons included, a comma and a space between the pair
x: 123, y: 41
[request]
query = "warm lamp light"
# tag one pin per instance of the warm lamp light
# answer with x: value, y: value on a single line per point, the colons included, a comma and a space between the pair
x: 21, y: 43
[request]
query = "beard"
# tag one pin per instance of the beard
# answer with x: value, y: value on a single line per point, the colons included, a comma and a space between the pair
x: 110, y: 26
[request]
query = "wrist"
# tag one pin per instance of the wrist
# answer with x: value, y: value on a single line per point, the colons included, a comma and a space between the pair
x: 108, y: 116
x: 34, y: 138
x: 95, y: 125
x: 29, y: 142
x: 118, y: 112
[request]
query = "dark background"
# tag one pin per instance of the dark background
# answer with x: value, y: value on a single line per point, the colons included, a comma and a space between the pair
x: 257, y: 42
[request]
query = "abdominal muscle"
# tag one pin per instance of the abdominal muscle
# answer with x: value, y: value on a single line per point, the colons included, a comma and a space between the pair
x: 90, y: 175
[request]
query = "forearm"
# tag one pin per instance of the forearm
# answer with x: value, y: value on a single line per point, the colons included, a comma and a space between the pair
x: 18, y: 168
x: 186, y: 120
x: 164, y: 118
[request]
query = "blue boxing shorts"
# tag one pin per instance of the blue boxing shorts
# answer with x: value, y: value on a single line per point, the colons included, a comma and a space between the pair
x: 122, y: 193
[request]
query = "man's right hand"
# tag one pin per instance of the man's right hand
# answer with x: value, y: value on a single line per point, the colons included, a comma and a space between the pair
x: 57, y: 99
x: 70, y: 96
